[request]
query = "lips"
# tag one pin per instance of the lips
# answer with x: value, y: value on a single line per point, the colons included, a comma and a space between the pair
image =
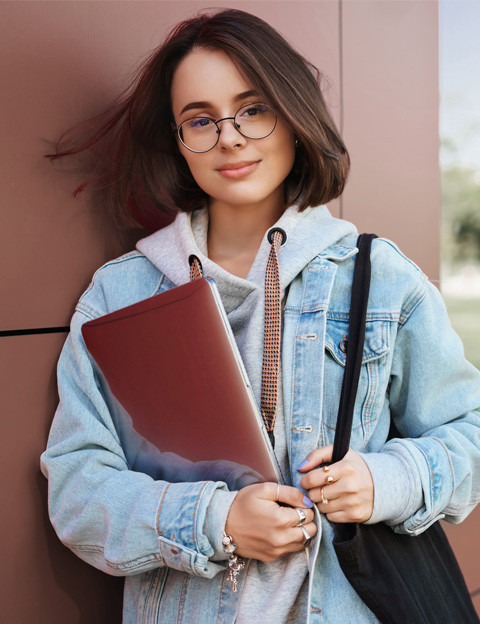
x: 238, y: 169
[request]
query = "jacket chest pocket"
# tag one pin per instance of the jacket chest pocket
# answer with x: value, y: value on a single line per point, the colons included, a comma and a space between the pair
x: 373, y: 383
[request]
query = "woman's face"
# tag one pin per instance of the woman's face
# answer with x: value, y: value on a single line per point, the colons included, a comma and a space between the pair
x: 237, y: 171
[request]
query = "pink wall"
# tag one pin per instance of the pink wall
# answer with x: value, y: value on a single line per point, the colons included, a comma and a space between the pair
x: 390, y: 102
x: 61, y: 62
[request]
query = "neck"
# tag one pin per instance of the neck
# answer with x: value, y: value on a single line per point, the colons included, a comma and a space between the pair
x: 235, y: 234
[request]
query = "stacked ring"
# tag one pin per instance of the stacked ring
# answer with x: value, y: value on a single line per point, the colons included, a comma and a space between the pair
x: 302, y: 517
x: 324, y: 500
x: 330, y: 479
x: 306, y: 535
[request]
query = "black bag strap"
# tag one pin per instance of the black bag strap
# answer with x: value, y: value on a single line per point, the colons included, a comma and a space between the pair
x: 355, y: 340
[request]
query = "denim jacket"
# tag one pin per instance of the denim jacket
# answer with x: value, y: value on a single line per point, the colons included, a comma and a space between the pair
x: 127, y: 518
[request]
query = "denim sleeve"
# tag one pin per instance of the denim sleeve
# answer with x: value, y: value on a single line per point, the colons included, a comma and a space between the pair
x: 121, y: 521
x: 435, y: 403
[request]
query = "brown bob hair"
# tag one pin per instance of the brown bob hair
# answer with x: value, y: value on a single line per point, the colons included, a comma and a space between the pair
x: 142, y: 172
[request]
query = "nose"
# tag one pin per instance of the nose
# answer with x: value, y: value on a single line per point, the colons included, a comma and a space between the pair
x: 229, y: 136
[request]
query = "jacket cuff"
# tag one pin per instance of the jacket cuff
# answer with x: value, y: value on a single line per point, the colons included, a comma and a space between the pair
x: 398, y: 492
x: 215, y: 520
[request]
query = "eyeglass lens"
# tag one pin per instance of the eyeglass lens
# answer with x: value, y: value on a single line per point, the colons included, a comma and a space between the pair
x: 253, y: 121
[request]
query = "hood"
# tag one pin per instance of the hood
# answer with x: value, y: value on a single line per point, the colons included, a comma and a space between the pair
x: 309, y: 233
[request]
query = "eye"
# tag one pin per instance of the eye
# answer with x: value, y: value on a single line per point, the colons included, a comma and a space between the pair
x: 199, y: 123
x: 253, y: 110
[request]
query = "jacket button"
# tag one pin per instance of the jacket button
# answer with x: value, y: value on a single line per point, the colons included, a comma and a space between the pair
x: 343, y: 344
x: 174, y: 552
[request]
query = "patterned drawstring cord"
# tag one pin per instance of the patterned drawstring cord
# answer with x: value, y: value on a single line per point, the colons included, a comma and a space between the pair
x: 273, y: 326
x: 272, y: 336
x: 196, y: 269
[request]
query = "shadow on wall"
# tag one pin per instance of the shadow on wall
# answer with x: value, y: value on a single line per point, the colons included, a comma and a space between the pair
x: 43, y: 582
x: 74, y: 578
x: 58, y: 567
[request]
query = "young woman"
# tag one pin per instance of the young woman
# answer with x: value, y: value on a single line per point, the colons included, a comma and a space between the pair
x: 227, y: 127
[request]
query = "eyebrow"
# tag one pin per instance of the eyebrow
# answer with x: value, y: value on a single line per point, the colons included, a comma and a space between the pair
x: 193, y: 105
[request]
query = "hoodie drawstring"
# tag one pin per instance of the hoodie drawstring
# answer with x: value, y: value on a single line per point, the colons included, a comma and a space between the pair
x: 272, y: 333
x: 273, y: 327
x: 196, y: 269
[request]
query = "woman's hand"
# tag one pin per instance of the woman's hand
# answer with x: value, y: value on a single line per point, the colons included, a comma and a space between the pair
x: 265, y: 530
x: 344, y: 490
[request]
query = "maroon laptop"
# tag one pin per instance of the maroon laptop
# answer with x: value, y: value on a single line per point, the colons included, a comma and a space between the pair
x: 177, y: 390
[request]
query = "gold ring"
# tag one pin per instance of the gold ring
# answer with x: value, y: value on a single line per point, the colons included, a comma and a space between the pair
x: 278, y: 492
x: 326, y: 468
x: 330, y: 479
x: 324, y: 500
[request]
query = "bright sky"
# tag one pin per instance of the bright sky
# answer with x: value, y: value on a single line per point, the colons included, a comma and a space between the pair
x: 460, y: 79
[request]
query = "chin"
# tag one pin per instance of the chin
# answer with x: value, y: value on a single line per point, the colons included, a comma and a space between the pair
x: 241, y: 196
x: 243, y: 200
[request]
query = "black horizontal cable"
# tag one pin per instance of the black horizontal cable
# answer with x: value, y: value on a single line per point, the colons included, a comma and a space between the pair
x: 33, y: 331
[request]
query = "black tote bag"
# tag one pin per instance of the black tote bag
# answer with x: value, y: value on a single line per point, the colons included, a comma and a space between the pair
x: 401, y: 578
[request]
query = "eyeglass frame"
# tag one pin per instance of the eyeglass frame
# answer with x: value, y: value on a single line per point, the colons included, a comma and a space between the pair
x: 176, y: 129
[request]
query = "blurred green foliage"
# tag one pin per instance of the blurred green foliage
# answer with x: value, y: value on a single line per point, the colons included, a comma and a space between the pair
x: 460, y: 239
x: 460, y: 216
x: 464, y: 315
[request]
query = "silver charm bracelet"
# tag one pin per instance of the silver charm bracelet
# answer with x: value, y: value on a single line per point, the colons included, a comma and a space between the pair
x: 235, y: 563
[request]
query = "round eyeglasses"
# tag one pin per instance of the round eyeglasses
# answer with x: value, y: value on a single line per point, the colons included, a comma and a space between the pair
x: 201, y: 134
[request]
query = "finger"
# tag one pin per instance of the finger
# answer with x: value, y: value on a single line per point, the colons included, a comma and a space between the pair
x: 293, y: 540
x: 293, y: 496
x: 293, y: 517
x: 306, y: 533
x: 316, y: 458
x: 329, y: 492
x: 352, y: 508
x: 319, y: 476
x: 272, y: 491
x: 292, y: 548
x: 339, y: 516
x: 297, y: 537
x: 297, y: 546
x: 327, y: 506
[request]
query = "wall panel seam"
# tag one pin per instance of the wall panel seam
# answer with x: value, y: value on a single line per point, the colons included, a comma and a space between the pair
x: 33, y: 331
